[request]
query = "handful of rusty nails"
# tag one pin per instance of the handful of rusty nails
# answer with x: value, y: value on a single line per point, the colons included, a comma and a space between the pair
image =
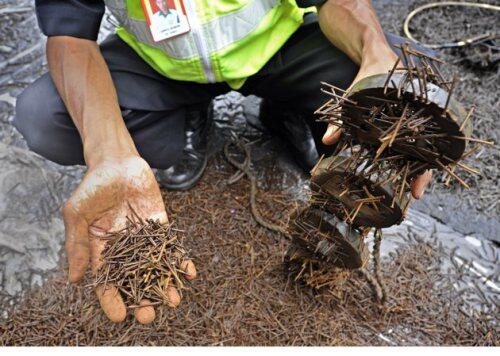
x: 143, y: 261
x: 395, y: 126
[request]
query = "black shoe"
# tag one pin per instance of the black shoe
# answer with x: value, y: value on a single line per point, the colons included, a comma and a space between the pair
x: 291, y: 127
x: 190, y: 167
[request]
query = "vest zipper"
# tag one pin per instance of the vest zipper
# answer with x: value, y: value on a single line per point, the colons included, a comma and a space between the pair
x: 199, y: 40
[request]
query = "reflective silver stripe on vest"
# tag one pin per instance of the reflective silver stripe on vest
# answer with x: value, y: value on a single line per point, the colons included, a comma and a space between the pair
x: 200, y: 40
x: 180, y: 47
x: 219, y: 32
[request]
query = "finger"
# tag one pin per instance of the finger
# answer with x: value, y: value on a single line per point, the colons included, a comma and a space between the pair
x: 174, y: 299
x: 111, y: 303
x: 419, y: 184
x: 97, y: 247
x: 189, y: 268
x: 77, y: 243
x: 145, y: 314
x: 331, y: 135
x: 160, y: 216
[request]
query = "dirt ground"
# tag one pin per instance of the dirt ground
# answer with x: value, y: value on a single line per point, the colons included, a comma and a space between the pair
x: 243, y: 296
x: 441, y: 265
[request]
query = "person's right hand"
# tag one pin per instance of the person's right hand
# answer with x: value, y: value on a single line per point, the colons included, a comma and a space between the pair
x: 379, y: 65
x: 100, y: 204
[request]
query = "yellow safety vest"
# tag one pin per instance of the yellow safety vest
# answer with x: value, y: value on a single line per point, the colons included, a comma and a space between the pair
x: 229, y: 40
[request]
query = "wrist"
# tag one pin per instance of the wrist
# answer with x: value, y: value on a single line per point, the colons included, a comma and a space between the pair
x: 106, y: 140
x: 104, y: 155
x: 380, y: 61
x: 110, y: 150
x: 377, y: 53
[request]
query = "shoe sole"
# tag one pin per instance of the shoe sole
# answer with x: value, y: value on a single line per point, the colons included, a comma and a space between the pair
x: 190, y: 183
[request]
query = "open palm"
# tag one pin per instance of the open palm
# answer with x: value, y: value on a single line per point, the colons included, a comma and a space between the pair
x: 109, y: 192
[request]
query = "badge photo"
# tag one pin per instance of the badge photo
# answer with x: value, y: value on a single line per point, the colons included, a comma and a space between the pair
x: 165, y: 18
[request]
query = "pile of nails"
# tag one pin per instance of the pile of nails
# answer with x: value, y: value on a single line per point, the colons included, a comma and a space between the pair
x: 143, y: 261
x: 395, y: 126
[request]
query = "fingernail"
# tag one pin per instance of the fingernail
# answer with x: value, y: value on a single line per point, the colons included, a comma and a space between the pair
x: 190, y: 269
x: 328, y: 133
x: 145, y: 314
x: 73, y: 276
x: 174, y: 299
x: 424, y: 181
x: 97, y: 231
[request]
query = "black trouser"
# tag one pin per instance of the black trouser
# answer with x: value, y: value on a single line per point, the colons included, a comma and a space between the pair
x: 154, y: 107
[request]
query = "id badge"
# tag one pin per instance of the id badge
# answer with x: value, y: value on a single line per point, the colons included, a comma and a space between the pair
x: 165, y: 18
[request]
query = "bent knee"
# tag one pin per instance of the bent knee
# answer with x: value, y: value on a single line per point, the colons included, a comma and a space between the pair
x: 38, y: 112
x: 31, y: 117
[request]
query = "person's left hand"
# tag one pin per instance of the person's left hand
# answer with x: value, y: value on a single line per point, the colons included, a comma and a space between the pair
x: 332, y: 134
